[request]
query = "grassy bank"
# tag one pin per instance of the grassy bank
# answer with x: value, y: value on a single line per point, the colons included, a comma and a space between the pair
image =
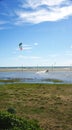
x: 50, y: 104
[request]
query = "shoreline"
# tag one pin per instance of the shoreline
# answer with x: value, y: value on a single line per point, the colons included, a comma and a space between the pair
x: 35, y: 69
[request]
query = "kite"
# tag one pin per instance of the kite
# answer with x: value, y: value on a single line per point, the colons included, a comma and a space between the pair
x: 20, y: 46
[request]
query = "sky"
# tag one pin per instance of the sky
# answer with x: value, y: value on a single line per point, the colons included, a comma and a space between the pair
x: 44, y: 27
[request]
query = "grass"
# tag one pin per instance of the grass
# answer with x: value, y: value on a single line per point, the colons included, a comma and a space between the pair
x: 9, y: 80
x: 52, y: 80
x: 16, y: 80
x: 50, y: 104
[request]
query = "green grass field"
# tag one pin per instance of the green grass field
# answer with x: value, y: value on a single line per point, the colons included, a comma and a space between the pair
x: 50, y: 104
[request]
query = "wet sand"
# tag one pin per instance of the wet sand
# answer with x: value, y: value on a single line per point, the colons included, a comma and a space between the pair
x: 35, y: 69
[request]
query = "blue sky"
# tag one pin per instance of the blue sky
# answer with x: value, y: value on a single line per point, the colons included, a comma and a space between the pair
x: 43, y: 26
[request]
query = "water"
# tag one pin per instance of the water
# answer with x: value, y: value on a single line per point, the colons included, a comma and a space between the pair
x: 38, y: 76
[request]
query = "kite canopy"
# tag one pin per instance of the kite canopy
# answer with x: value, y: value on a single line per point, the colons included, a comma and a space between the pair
x: 20, y: 46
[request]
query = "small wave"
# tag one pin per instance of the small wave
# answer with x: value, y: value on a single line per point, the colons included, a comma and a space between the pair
x: 43, y: 71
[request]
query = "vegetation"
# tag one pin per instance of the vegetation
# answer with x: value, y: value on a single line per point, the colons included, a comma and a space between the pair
x: 15, y: 80
x: 50, y: 104
x: 11, y: 122
x: 52, y: 80
x: 9, y: 80
x: 11, y: 110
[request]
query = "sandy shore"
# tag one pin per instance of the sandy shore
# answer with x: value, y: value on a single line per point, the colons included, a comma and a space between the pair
x: 35, y: 69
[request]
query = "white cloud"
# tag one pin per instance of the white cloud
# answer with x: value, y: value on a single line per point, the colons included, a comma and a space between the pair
x: 36, y: 44
x: 3, y: 22
x: 68, y: 53
x: 71, y: 47
x: 37, y: 3
x: 28, y: 57
x: 53, y: 55
x: 27, y: 48
x: 1, y: 28
x: 38, y: 11
x: 4, y: 28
